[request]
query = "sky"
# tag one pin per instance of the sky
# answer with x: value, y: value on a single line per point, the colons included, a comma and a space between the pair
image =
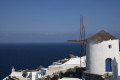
x: 39, y: 21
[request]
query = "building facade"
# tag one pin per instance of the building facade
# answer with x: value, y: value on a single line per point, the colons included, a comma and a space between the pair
x: 101, y: 50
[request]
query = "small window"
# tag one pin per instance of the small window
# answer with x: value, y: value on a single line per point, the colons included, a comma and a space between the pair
x: 43, y: 73
x: 110, y: 46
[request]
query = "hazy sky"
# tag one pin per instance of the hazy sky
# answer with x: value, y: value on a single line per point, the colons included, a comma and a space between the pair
x: 32, y: 21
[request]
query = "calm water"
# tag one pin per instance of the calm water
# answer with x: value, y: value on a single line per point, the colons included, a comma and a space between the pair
x: 30, y: 56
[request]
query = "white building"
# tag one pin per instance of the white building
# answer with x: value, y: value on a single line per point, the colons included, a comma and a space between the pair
x: 73, y: 62
x: 37, y: 74
x: 56, y: 67
x: 16, y: 76
x: 102, y: 50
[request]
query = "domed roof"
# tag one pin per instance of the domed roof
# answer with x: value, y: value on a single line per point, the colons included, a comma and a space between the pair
x: 102, y: 36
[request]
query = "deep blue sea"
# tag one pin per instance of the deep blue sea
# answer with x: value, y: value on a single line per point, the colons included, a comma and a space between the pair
x: 31, y: 56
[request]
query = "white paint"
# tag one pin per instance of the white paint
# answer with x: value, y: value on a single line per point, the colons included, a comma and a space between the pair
x: 114, y: 69
x: 73, y: 62
x: 56, y: 63
x: 17, y: 74
x: 37, y: 74
x: 98, y: 52
x: 119, y: 66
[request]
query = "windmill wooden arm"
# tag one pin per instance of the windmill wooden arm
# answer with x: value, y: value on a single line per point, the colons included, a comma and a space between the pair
x: 76, y: 40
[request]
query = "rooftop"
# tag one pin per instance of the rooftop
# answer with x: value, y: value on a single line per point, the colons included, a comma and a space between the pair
x: 102, y: 36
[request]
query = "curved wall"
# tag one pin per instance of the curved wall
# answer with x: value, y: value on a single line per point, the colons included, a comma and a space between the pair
x: 98, y: 52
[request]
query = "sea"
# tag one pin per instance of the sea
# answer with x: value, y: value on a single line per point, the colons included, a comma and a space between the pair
x: 23, y: 56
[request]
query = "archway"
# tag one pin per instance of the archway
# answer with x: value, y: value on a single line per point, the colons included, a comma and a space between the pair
x: 108, y: 65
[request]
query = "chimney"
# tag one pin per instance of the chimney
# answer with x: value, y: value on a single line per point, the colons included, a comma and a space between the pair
x: 13, y: 70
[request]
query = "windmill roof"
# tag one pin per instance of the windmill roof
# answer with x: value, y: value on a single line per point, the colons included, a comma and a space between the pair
x: 102, y: 36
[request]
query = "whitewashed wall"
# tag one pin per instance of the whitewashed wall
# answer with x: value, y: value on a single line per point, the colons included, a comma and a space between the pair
x: 98, y: 52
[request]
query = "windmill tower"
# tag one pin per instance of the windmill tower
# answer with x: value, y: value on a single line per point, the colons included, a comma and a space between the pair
x: 102, y: 54
x: 101, y: 49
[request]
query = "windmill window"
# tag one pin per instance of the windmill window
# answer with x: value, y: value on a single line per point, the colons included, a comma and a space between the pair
x: 110, y: 46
